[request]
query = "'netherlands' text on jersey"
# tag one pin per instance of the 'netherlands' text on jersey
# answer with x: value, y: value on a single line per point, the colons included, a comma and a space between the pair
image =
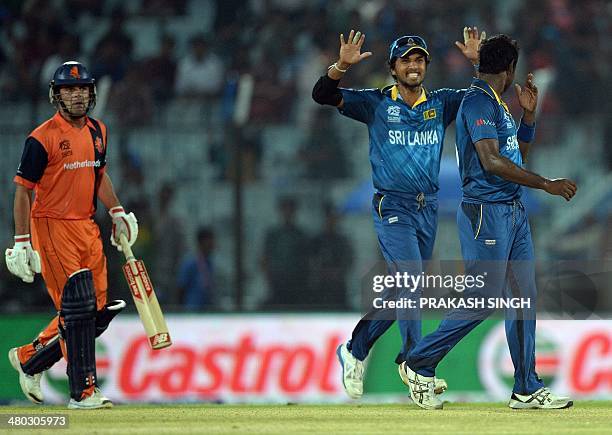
x: 405, y: 141
x: 483, y: 115
x: 64, y: 166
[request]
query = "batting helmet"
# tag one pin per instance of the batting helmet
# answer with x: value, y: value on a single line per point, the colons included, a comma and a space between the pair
x: 71, y: 73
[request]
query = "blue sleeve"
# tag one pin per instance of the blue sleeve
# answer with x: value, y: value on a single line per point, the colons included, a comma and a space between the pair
x: 360, y: 104
x: 33, y: 160
x: 452, y: 100
x: 480, y: 114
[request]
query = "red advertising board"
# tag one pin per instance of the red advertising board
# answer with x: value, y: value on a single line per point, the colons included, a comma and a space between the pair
x: 221, y: 358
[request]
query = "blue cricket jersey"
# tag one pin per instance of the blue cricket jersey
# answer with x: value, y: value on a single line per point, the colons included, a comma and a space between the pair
x: 405, y: 141
x: 483, y: 115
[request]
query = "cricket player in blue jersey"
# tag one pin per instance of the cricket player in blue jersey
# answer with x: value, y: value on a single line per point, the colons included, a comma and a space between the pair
x: 493, y: 228
x: 406, y: 126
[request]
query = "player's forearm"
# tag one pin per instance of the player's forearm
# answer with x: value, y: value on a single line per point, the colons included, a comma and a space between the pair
x: 508, y: 170
x: 326, y: 91
x: 527, y: 120
x: 106, y: 193
x: 21, y: 210
x: 529, y: 117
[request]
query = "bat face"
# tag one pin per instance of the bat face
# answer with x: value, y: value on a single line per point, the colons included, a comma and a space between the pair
x: 146, y: 303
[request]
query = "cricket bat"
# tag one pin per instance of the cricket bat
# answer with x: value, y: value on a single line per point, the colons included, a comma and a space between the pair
x: 144, y: 298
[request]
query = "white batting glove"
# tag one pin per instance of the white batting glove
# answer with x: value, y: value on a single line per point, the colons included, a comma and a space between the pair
x: 123, y: 223
x: 22, y: 260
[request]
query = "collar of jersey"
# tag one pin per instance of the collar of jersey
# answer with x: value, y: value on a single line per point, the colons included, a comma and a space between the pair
x: 65, y: 125
x: 487, y: 89
x: 394, y: 94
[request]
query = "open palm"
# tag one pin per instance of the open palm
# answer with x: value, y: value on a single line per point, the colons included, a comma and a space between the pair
x: 471, y: 43
x: 350, y: 50
x: 527, y: 94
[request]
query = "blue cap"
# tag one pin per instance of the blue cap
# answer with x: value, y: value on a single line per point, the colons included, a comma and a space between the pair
x: 72, y: 74
x: 405, y: 44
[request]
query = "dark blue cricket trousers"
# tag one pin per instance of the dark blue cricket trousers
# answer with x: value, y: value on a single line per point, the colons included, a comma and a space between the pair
x: 496, y: 239
x: 406, y: 226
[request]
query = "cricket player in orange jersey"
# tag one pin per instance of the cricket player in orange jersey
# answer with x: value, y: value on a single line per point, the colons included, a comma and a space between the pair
x: 64, y: 164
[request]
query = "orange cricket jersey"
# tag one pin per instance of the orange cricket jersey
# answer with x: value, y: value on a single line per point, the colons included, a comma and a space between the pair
x: 64, y: 165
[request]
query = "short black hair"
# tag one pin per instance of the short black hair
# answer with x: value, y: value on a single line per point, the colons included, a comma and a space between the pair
x: 497, y: 54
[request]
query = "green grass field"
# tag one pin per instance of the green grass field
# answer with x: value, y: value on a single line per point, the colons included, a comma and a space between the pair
x: 494, y: 418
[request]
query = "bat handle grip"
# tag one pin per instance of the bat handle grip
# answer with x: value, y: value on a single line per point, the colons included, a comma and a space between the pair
x: 125, y: 246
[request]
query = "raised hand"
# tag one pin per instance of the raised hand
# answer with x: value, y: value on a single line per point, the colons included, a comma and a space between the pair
x: 350, y: 50
x: 471, y: 43
x: 527, y: 94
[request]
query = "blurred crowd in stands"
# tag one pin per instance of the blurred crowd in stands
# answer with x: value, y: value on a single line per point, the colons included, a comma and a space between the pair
x: 155, y: 52
x: 281, y: 43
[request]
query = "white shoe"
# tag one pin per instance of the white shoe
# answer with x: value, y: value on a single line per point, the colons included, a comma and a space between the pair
x: 541, y: 399
x: 352, y: 372
x: 102, y: 396
x: 30, y: 384
x: 440, y: 385
x: 422, y: 389
x: 96, y: 401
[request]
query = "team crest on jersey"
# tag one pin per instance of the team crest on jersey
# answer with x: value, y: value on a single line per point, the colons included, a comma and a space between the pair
x: 393, y: 114
x: 65, y: 148
x: 99, y: 145
x: 429, y: 114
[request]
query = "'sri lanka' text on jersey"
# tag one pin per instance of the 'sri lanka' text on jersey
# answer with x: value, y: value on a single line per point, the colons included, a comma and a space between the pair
x: 483, y: 115
x: 405, y: 141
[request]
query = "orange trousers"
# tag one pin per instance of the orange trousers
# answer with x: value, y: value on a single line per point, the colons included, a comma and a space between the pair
x: 65, y: 246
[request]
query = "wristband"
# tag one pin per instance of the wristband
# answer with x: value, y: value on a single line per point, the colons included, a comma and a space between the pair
x: 22, y: 238
x: 526, y: 133
x: 22, y: 241
x: 335, y: 66
x: 116, y: 210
